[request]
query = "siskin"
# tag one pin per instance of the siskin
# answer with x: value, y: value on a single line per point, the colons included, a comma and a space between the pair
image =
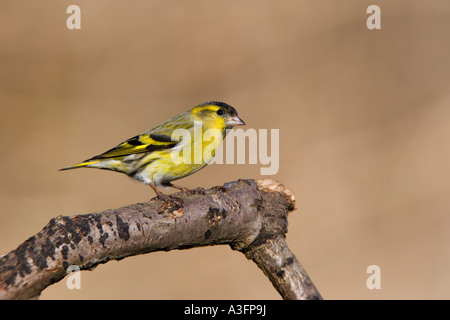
x: 149, y: 157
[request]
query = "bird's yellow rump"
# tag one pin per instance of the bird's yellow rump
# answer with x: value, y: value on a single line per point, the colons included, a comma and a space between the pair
x: 149, y: 157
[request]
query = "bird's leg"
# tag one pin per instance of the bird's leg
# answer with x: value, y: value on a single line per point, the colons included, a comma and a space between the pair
x: 183, y: 189
x: 159, y: 194
x: 169, y: 203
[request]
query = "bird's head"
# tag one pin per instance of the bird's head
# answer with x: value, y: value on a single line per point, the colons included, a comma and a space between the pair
x: 218, y: 115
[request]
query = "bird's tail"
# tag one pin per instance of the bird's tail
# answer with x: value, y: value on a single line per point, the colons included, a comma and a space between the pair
x: 81, y: 165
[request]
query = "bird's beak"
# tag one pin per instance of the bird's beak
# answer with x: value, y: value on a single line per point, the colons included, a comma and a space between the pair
x: 235, y: 121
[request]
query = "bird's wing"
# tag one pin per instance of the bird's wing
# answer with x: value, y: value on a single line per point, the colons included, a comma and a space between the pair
x: 156, y: 139
x: 146, y: 142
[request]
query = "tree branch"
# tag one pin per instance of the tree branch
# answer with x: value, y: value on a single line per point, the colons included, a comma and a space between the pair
x: 251, y: 217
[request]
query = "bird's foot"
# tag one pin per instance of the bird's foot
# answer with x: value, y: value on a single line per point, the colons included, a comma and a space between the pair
x: 170, y: 205
x: 181, y: 188
x: 185, y: 190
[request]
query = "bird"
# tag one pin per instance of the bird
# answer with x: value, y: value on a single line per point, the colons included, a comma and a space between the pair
x: 153, y: 157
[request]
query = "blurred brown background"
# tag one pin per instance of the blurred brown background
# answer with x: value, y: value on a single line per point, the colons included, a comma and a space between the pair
x: 364, y: 119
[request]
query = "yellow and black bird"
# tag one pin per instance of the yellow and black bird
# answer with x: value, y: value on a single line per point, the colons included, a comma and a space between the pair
x: 149, y: 157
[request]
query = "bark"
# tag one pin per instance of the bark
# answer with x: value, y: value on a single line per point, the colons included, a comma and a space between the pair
x: 250, y: 217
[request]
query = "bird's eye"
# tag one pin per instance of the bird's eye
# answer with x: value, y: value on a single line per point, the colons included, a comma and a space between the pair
x: 220, y: 112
